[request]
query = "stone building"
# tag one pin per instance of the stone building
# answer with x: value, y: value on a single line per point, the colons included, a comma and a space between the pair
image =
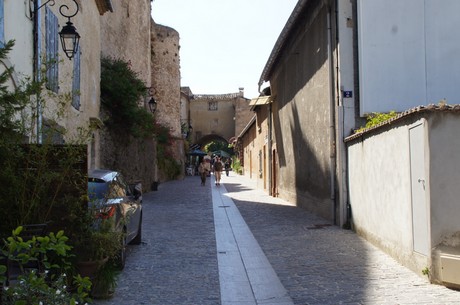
x: 71, y: 100
x: 217, y: 116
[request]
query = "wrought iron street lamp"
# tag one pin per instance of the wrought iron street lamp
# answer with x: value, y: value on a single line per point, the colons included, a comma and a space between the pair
x: 152, y: 105
x: 70, y: 38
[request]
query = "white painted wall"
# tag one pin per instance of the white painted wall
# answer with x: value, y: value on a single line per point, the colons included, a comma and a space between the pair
x: 445, y: 176
x: 408, y: 55
x: 346, y: 105
x: 379, y: 187
x: 19, y: 26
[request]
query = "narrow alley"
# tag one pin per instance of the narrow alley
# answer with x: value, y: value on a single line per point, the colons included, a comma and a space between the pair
x: 235, y: 245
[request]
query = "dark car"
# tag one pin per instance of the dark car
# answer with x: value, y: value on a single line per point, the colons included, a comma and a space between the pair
x: 113, y: 198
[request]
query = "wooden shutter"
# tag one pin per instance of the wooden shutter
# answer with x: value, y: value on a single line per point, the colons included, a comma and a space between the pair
x: 2, y: 25
x: 76, y: 80
x: 52, y: 51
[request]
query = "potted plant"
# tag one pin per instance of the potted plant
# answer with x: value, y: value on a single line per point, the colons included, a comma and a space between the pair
x: 105, y: 282
x: 96, y: 246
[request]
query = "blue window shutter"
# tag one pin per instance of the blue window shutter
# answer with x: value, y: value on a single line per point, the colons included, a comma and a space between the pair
x: 52, y: 51
x: 2, y: 25
x: 76, y: 80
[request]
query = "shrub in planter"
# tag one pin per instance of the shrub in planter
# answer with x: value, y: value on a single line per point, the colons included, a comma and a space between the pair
x: 49, y: 285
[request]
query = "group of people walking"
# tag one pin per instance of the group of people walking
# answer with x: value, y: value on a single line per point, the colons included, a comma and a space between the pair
x: 216, y: 165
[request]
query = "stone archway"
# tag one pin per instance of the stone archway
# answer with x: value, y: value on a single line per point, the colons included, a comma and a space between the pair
x: 210, y: 138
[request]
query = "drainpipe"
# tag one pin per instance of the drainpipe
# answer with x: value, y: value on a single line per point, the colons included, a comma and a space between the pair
x: 37, y: 65
x: 333, y: 155
x: 269, y: 144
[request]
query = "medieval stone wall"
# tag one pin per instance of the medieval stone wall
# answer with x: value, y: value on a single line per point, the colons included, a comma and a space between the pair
x: 166, y: 76
x: 125, y: 34
x: 166, y: 87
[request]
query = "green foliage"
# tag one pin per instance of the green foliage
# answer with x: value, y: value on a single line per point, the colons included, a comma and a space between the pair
x: 49, y: 287
x: 40, y: 183
x: 376, y: 118
x: 236, y: 166
x: 106, y: 281
x: 99, y: 241
x: 165, y: 157
x: 426, y: 271
x: 218, y: 145
x: 121, y: 91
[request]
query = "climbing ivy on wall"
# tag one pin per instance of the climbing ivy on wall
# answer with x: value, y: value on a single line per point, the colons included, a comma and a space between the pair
x: 121, y: 91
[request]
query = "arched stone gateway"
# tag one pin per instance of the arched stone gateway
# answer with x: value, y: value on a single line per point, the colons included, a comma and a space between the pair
x: 210, y: 138
x: 216, y: 117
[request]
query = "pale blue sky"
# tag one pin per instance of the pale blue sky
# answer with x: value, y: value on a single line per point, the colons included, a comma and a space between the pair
x: 224, y: 44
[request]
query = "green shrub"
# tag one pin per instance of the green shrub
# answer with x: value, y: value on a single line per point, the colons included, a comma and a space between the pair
x: 377, y: 118
x: 121, y: 91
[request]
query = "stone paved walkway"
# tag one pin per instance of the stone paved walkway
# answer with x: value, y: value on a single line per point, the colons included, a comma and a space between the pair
x: 317, y: 263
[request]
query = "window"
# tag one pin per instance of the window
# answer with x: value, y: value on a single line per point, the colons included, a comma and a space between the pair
x: 212, y: 106
x: 2, y: 25
x: 52, y: 132
x: 76, y: 80
x: 52, y: 44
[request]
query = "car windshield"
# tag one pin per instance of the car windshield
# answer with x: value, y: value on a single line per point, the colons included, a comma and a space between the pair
x: 97, y: 190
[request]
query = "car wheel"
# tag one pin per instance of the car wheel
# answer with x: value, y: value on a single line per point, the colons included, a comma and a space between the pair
x: 120, y: 259
x: 138, y: 239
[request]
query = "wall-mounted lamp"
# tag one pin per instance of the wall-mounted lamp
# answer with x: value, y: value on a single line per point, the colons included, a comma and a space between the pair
x: 69, y: 35
x: 152, y: 105
x: 152, y: 102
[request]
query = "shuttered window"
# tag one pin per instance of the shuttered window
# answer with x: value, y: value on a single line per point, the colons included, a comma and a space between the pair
x: 76, y: 80
x: 2, y: 25
x: 52, y: 44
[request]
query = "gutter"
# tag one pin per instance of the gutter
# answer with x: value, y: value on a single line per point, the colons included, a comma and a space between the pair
x: 37, y: 64
x: 332, y: 137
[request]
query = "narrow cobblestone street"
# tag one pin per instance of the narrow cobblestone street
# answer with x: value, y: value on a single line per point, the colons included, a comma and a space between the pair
x: 180, y: 262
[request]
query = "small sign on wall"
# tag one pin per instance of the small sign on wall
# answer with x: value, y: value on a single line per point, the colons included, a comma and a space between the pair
x: 348, y: 94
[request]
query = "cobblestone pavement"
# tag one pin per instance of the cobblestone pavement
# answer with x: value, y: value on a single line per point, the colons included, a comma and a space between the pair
x: 177, y: 262
x: 316, y: 262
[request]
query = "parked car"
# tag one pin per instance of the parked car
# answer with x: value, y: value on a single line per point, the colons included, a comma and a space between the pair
x: 112, y: 198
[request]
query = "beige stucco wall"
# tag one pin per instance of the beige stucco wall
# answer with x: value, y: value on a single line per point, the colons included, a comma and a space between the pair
x: 255, y: 147
x: 219, y: 122
x: 243, y: 114
x: 72, y: 120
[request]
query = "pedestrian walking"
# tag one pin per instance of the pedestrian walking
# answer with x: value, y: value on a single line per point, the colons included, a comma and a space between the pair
x: 203, y: 170
x: 218, y: 170
x: 227, y: 166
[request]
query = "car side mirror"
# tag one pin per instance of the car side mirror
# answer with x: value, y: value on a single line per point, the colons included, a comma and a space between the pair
x: 137, y: 190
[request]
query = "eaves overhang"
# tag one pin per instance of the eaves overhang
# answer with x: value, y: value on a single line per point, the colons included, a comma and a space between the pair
x: 104, y: 6
x: 405, y: 114
x: 259, y: 101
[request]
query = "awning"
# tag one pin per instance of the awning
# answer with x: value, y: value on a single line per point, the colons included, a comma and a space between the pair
x: 261, y: 100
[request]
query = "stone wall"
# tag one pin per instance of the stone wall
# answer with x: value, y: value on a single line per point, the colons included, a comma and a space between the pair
x: 165, y: 79
x: 133, y: 157
x: 125, y: 34
x: 166, y: 76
